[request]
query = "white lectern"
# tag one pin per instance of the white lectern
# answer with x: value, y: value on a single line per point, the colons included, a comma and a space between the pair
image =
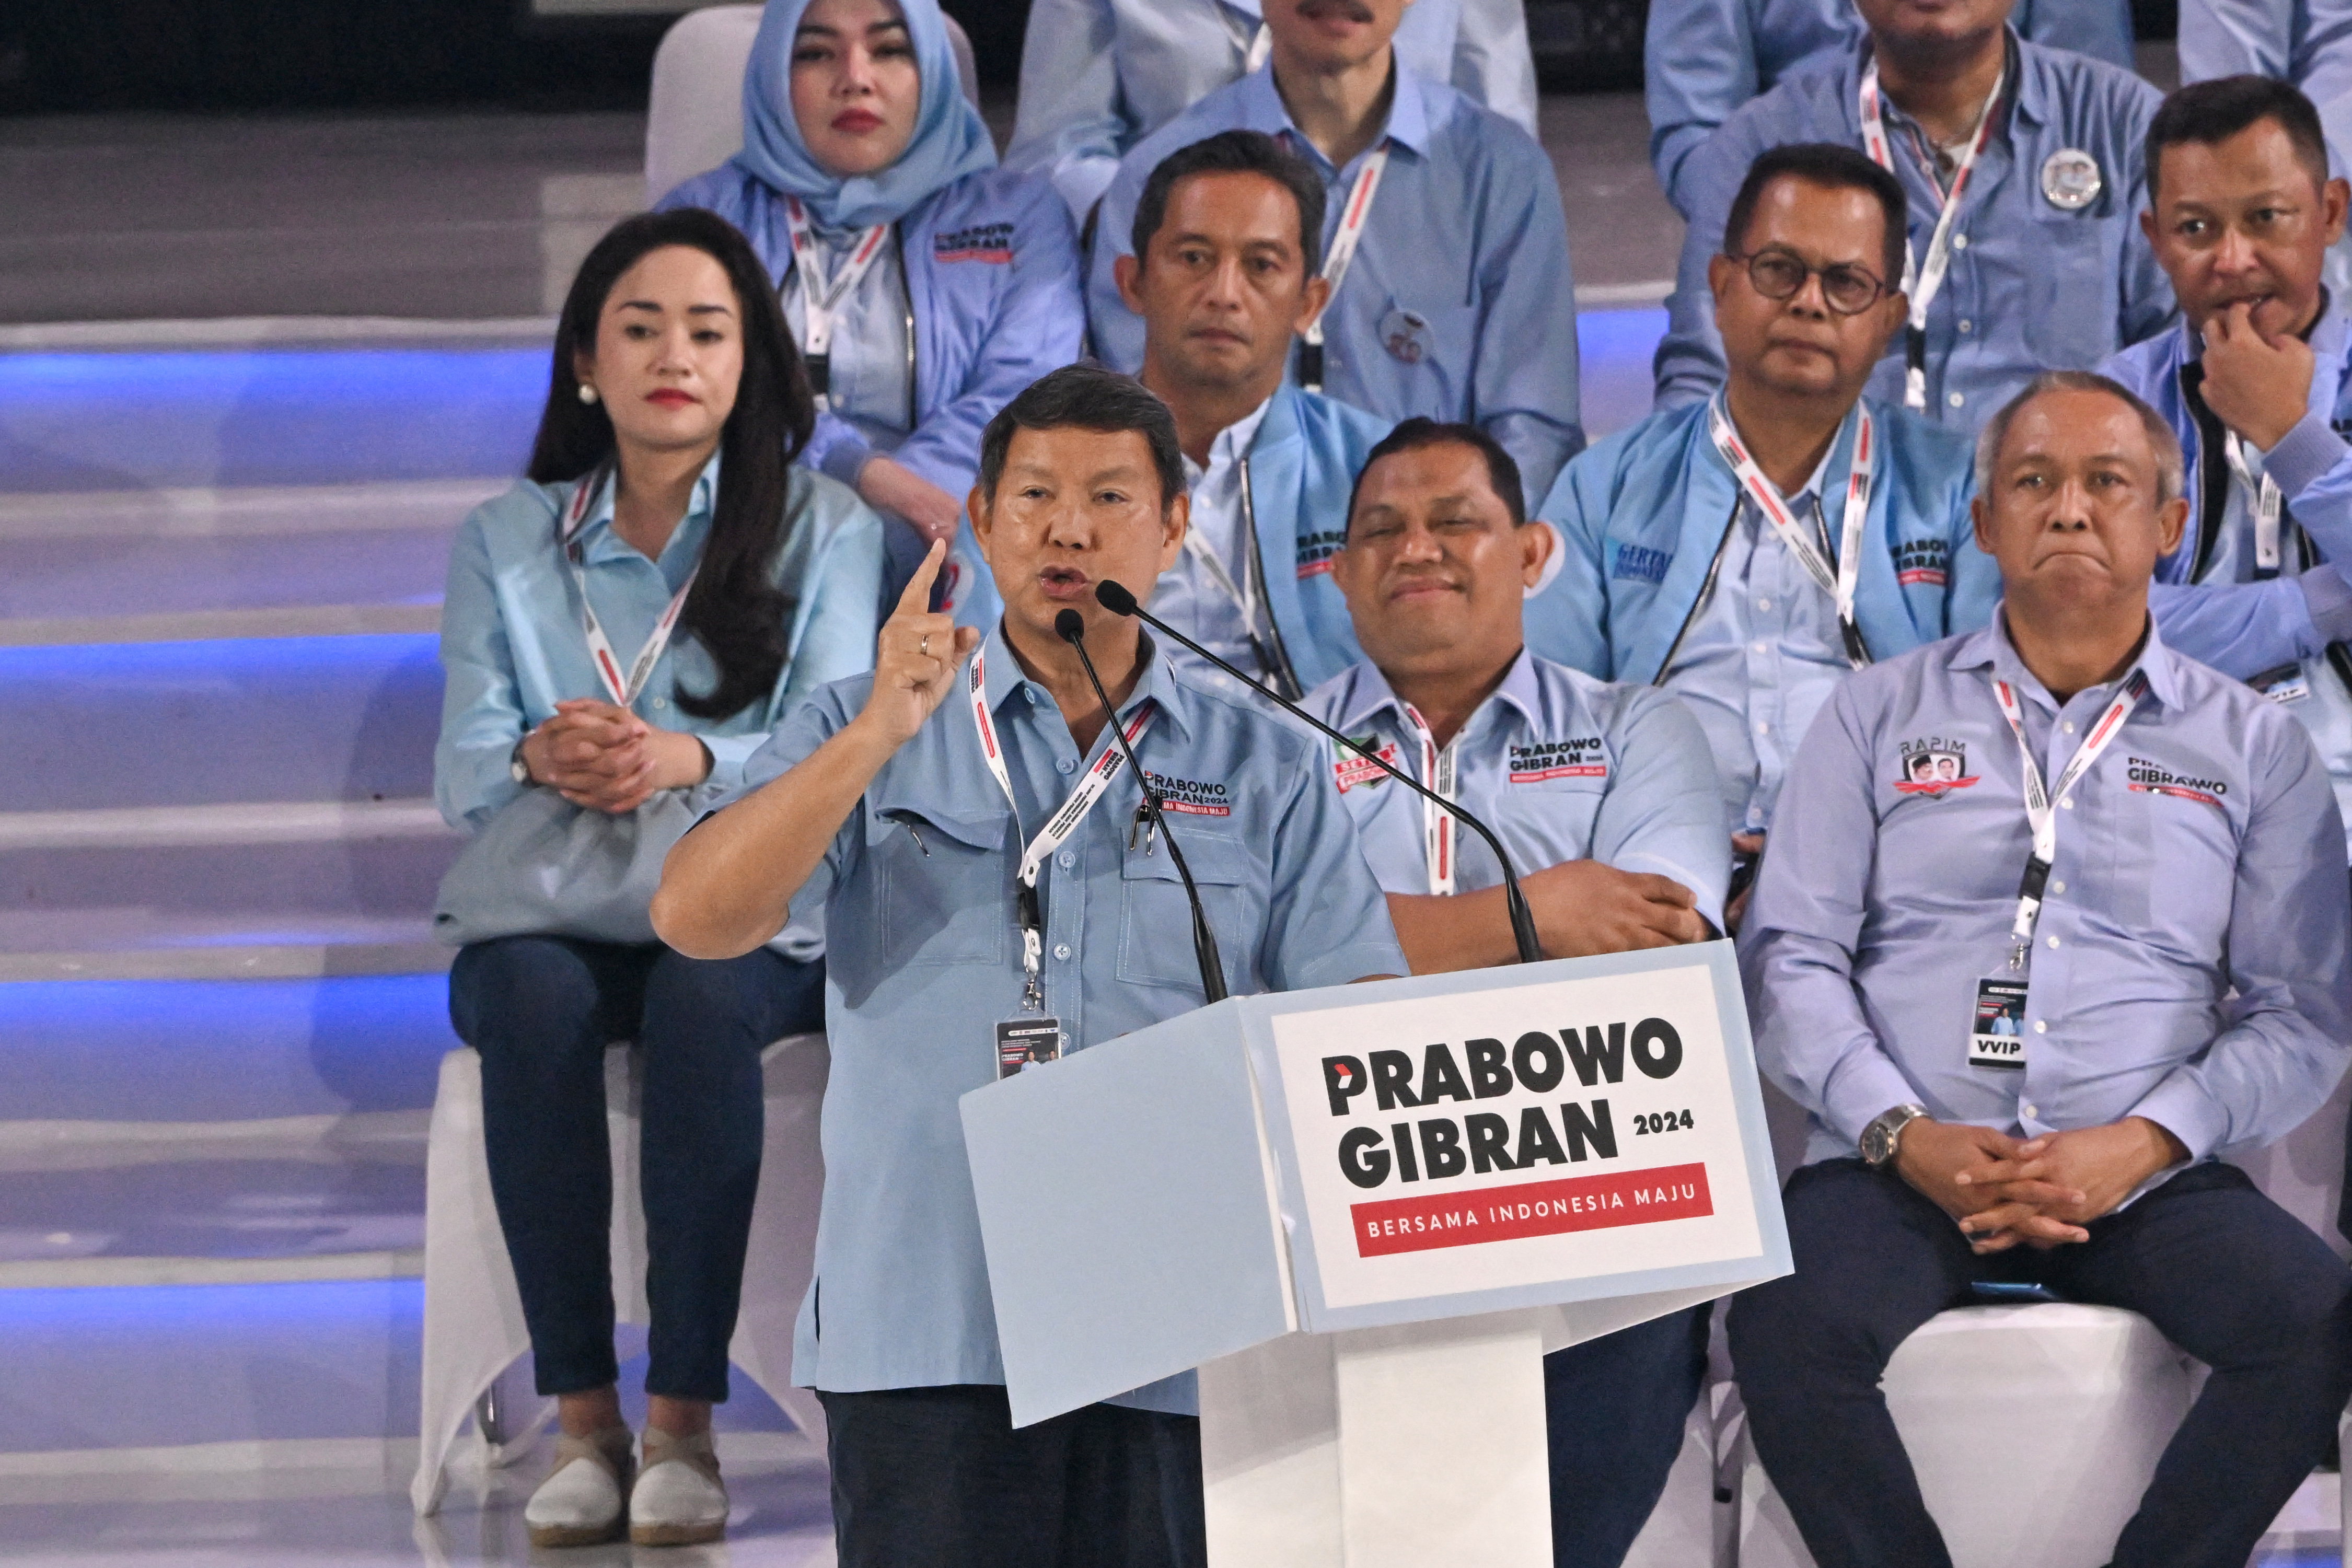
x: 1364, y: 1214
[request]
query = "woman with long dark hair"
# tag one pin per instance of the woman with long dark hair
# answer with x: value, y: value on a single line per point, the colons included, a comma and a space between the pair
x: 929, y: 285
x: 622, y: 631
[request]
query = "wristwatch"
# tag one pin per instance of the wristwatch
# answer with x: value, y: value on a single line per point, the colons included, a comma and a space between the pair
x: 518, y: 770
x: 1884, y: 1135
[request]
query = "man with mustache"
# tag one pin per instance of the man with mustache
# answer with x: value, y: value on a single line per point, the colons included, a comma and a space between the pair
x: 991, y: 899
x: 1227, y: 237
x: 1603, y: 798
x: 1445, y: 243
x: 1747, y: 553
x: 2022, y: 168
x: 2025, y: 1012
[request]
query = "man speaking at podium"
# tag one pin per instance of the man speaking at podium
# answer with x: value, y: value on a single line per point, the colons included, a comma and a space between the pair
x: 1604, y: 796
x: 991, y: 896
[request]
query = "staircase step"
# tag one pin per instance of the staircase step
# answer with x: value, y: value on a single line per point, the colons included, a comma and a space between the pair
x: 206, y: 625
x: 241, y: 887
x: 356, y: 947
x: 154, y: 723
x: 273, y: 416
x: 180, y: 1051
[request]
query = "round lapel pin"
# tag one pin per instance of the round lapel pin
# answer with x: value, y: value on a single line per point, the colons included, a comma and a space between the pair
x: 2071, y: 180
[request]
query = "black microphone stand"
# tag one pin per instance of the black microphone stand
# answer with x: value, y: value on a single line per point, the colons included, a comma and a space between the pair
x: 1071, y: 627
x: 1116, y: 598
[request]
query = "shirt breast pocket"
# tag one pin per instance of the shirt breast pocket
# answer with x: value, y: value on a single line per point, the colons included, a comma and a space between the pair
x: 947, y: 886
x: 1434, y: 349
x: 1155, y: 936
x: 2071, y: 279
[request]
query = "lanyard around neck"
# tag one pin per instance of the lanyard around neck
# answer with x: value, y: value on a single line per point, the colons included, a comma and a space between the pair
x: 1341, y: 255
x: 623, y: 690
x: 822, y: 294
x: 1921, y: 282
x: 1437, y: 770
x: 2265, y: 494
x: 2039, y: 813
x: 1058, y: 829
x: 1838, y: 583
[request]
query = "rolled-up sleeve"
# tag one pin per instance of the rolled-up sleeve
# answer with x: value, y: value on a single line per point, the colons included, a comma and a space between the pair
x: 2283, y: 1043
x: 1797, y: 945
x: 482, y: 714
x: 1070, y: 126
x: 2247, y: 628
x: 1327, y: 919
x: 1663, y: 812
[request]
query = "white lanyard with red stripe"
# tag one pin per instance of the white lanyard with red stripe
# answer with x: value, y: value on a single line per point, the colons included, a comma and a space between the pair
x: 1337, y: 259
x: 2038, y: 810
x: 1923, y: 283
x: 1437, y: 771
x: 2265, y: 494
x: 623, y: 690
x: 1839, y: 582
x: 821, y: 295
x: 1058, y: 829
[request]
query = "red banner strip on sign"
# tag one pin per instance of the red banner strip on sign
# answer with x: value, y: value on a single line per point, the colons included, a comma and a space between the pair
x: 1531, y: 1208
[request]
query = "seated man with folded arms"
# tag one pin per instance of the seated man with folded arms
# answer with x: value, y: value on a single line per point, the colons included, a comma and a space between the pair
x: 1748, y: 552
x: 1604, y: 799
x: 2027, y: 997
x: 1227, y: 237
x: 903, y: 804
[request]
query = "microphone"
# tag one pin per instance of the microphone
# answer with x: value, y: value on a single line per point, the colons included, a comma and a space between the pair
x: 1071, y: 627
x: 1116, y: 598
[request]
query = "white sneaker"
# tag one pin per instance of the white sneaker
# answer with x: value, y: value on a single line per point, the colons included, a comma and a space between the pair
x: 679, y: 1499
x: 583, y: 1500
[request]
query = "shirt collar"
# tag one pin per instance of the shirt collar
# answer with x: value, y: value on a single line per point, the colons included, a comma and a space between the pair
x: 1262, y: 108
x: 598, y: 541
x: 1003, y: 681
x: 1989, y: 647
x: 2022, y: 91
x: 1371, y: 694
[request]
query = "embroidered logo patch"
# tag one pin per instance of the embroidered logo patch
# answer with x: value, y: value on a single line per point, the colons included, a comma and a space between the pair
x: 1194, y: 797
x: 1355, y: 771
x: 1928, y: 561
x: 1582, y: 758
x: 981, y: 241
x: 2147, y: 778
x: 1316, y: 551
x: 1934, y: 767
x: 1639, y: 563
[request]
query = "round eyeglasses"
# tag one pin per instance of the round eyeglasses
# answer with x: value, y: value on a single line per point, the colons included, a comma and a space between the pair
x: 1776, y: 275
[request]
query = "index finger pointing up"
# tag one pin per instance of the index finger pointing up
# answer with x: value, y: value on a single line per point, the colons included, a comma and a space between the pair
x: 917, y: 599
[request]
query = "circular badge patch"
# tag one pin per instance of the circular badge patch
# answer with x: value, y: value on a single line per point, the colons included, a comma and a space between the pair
x: 2071, y: 180
x: 1405, y: 335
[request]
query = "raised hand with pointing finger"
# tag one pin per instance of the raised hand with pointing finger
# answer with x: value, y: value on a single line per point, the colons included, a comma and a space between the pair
x: 916, y: 658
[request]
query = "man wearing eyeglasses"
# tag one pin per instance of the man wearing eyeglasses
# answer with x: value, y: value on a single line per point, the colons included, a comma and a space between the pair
x: 1747, y: 552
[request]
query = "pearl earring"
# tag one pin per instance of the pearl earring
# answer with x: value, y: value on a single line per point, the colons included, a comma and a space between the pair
x: 587, y: 393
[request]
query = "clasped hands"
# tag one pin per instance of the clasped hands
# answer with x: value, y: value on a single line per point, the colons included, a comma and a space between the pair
x: 2041, y: 1191
x: 605, y: 759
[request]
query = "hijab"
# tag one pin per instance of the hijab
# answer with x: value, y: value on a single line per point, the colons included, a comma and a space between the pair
x: 950, y: 142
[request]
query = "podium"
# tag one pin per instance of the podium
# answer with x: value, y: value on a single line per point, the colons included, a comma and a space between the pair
x: 1364, y: 1214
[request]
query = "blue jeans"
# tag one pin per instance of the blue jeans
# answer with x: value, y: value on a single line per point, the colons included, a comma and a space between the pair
x: 541, y: 1009
x: 2221, y: 1271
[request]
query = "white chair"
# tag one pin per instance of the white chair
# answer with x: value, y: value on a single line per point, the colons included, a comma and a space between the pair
x: 473, y: 1317
x: 2106, y: 1389
x: 694, y: 116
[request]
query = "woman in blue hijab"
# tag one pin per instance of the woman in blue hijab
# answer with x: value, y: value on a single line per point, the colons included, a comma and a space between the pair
x: 925, y: 284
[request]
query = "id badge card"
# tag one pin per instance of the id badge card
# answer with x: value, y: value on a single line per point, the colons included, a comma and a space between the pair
x: 2287, y: 683
x: 1996, y: 1032
x: 1027, y: 1042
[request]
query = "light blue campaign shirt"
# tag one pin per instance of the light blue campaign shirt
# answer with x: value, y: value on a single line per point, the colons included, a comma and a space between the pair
x: 1460, y: 304
x: 1562, y: 766
x: 925, y: 959
x: 1703, y: 58
x: 2193, y: 960
x: 2310, y: 605
x: 511, y: 645
x: 2306, y: 42
x: 870, y: 368
x: 1098, y: 75
x: 2033, y: 285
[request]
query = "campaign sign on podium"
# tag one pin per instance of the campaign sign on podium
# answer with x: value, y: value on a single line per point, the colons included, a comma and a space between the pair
x: 1365, y: 1208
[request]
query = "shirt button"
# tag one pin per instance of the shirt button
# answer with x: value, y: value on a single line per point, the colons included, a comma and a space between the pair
x: 1763, y: 728
x: 1061, y: 949
x: 2054, y: 941
x: 1959, y: 242
x: 2057, y: 887
x: 1763, y: 604
x: 1066, y: 859
x: 1760, y: 647
x: 2032, y: 1110
x: 1967, y: 325
x: 1955, y: 399
x: 2041, y: 1027
x: 2068, y: 727
x: 1067, y: 765
x: 2068, y: 802
x: 661, y: 702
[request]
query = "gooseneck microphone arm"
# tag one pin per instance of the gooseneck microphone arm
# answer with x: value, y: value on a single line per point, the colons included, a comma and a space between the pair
x: 1071, y: 627
x: 1116, y: 598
